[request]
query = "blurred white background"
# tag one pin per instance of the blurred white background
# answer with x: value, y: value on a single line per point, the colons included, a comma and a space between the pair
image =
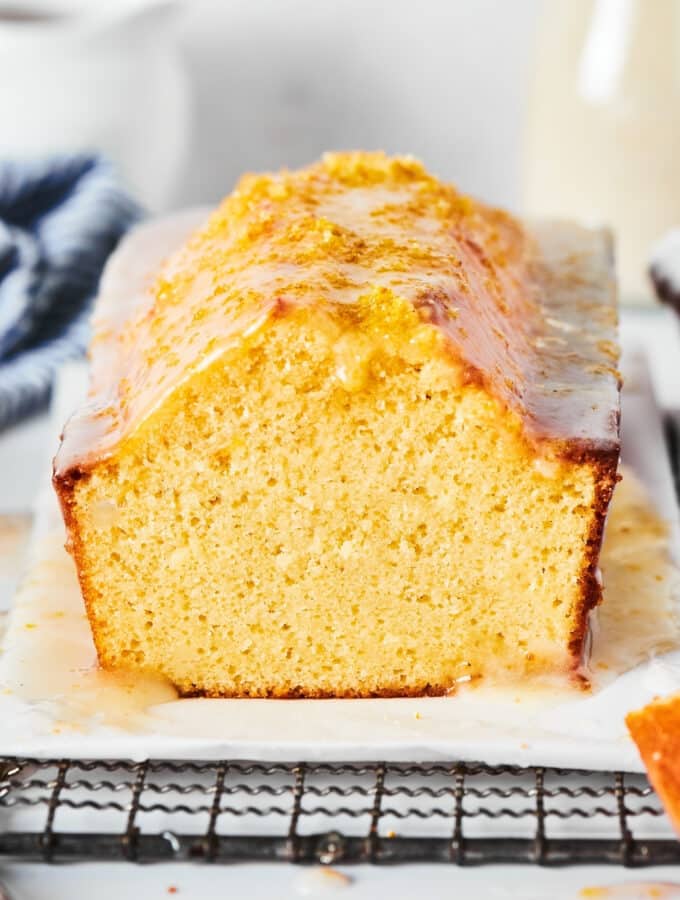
x: 279, y: 82
x: 185, y: 95
x: 549, y: 107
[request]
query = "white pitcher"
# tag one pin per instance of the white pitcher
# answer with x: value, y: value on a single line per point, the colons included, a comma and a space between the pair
x: 603, y: 129
x: 103, y: 77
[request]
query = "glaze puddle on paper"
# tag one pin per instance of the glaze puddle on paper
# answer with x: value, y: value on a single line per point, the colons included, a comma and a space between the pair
x: 55, y: 702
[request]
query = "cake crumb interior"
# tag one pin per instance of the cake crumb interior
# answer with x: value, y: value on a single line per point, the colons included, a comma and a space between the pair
x: 320, y: 514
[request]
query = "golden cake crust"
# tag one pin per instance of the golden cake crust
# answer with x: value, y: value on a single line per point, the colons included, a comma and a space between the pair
x: 528, y: 311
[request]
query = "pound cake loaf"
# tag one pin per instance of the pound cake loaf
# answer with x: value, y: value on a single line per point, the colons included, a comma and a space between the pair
x: 357, y: 438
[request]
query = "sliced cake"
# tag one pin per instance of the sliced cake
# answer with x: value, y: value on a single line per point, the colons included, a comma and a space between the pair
x: 656, y: 730
x: 356, y: 437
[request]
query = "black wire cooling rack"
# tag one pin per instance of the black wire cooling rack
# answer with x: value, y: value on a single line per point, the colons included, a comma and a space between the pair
x: 462, y: 813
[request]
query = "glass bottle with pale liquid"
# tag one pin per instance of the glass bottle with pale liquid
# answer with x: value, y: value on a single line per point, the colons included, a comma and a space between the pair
x: 603, y: 126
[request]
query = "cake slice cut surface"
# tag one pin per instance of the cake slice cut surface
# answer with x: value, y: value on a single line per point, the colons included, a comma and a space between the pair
x: 357, y: 438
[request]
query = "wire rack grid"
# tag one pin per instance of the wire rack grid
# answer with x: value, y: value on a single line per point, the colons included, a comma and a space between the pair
x: 462, y: 813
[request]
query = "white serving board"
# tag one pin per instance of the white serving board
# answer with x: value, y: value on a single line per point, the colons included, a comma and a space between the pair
x: 48, y: 643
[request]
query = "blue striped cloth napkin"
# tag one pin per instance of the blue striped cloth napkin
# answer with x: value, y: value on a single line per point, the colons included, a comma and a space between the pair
x: 60, y: 218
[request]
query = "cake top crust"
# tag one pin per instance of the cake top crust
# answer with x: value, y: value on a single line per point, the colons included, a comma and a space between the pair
x: 528, y: 311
